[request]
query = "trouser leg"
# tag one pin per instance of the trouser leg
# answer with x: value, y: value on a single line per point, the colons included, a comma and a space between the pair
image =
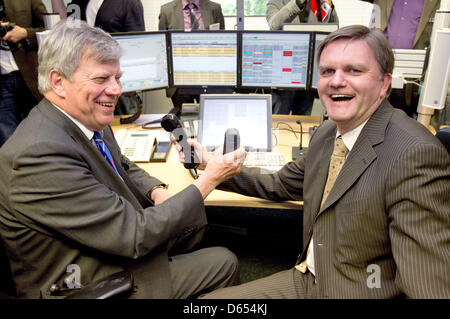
x: 202, y: 271
x: 287, y: 284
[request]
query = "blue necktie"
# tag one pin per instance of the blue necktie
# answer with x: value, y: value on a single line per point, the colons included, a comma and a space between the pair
x: 101, y: 146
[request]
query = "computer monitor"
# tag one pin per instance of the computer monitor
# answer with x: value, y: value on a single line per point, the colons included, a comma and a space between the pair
x: 144, y: 61
x: 251, y: 114
x: 203, y: 58
x: 275, y: 59
x: 318, y: 38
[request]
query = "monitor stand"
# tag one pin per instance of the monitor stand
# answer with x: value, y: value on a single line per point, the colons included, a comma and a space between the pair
x: 134, y: 117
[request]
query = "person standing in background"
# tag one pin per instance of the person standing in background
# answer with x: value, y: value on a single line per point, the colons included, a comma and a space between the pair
x: 109, y: 15
x: 20, y: 21
x: 176, y: 15
x: 189, y: 15
x: 407, y: 25
x: 280, y: 12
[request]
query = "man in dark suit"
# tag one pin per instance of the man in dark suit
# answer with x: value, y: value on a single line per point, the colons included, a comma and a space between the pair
x: 381, y: 229
x: 109, y: 15
x: 69, y: 197
x: 18, y: 62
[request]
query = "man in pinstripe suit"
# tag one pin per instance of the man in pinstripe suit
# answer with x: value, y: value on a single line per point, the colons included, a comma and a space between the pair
x: 383, y: 231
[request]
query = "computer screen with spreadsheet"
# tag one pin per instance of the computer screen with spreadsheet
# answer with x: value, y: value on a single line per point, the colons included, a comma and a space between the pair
x: 144, y: 60
x: 203, y: 58
x: 274, y: 59
x: 251, y: 114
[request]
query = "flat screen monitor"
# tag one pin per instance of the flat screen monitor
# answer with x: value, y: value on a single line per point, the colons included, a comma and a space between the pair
x: 251, y: 114
x: 204, y: 58
x: 319, y: 37
x: 144, y: 61
x: 275, y: 59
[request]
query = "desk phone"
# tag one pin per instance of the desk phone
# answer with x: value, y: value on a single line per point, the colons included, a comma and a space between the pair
x: 136, y: 145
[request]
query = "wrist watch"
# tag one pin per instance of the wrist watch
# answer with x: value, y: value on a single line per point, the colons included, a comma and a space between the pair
x: 162, y: 186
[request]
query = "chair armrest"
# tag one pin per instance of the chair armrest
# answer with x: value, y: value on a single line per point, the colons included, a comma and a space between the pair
x: 119, y: 284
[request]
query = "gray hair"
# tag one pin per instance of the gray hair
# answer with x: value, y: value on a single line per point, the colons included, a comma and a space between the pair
x: 67, y: 43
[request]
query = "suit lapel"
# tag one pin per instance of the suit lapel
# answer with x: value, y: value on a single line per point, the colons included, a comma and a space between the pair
x: 179, y: 16
x: 322, y: 170
x: 204, y: 9
x: 79, y: 137
x: 362, y: 154
x: 427, y: 11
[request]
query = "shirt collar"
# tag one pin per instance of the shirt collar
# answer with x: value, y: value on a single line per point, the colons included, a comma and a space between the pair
x: 89, y: 133
x: 350, y: 137
x: 185, y: 3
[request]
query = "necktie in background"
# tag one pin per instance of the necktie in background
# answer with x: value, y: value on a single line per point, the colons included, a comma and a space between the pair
x: 336, y: 163
x: 322, y: 12
x: 194, y: 21
x: 103, y: 149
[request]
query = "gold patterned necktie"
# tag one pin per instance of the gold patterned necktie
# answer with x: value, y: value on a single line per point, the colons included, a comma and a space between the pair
x: 336, y: 162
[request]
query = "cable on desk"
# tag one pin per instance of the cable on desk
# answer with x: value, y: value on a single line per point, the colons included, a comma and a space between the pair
x: 193, y: 172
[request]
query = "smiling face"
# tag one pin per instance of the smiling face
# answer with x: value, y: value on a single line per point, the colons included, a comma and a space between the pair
x: 350, y: 85
x: 92, y: 93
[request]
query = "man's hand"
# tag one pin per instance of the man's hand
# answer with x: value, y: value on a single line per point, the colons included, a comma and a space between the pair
x: 15, y: 35
x: 200, y: 151
x: 219, y: 168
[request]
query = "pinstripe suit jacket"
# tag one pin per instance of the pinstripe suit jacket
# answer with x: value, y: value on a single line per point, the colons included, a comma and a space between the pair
x: 61, y: 203
x: 423, y: 33
x: 171, y: 15
x: 389, y: 208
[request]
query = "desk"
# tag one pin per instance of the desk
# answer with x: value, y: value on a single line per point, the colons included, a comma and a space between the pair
x: 178, y: 178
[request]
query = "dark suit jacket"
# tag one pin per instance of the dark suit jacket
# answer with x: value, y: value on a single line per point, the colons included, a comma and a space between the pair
x: 27, y: 14
x: 389, y: 207
x: 116, y: 15
x: 423, y: 33
x: 171, y: 15
x: 61, y: 203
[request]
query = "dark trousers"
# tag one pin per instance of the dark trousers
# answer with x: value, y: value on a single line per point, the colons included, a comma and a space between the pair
x: 287, y: 284
x: 16, y: 101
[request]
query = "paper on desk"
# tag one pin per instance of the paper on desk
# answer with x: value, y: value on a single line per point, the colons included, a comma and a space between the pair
x: 357, y: 12
x: 145, y: 118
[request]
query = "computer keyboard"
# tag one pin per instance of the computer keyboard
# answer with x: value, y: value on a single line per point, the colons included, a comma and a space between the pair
x: 268, y: 161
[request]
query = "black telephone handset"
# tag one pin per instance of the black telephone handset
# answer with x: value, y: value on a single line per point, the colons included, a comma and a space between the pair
x: 171, y: 123
x: 232, y: 140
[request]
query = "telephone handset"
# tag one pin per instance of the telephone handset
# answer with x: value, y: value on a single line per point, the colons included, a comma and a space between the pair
x: 232, y: 140
x: 171, y: 123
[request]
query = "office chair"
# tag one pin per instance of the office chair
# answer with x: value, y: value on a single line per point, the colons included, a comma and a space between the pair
x: 444, y: 136
x: 117, y: 285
